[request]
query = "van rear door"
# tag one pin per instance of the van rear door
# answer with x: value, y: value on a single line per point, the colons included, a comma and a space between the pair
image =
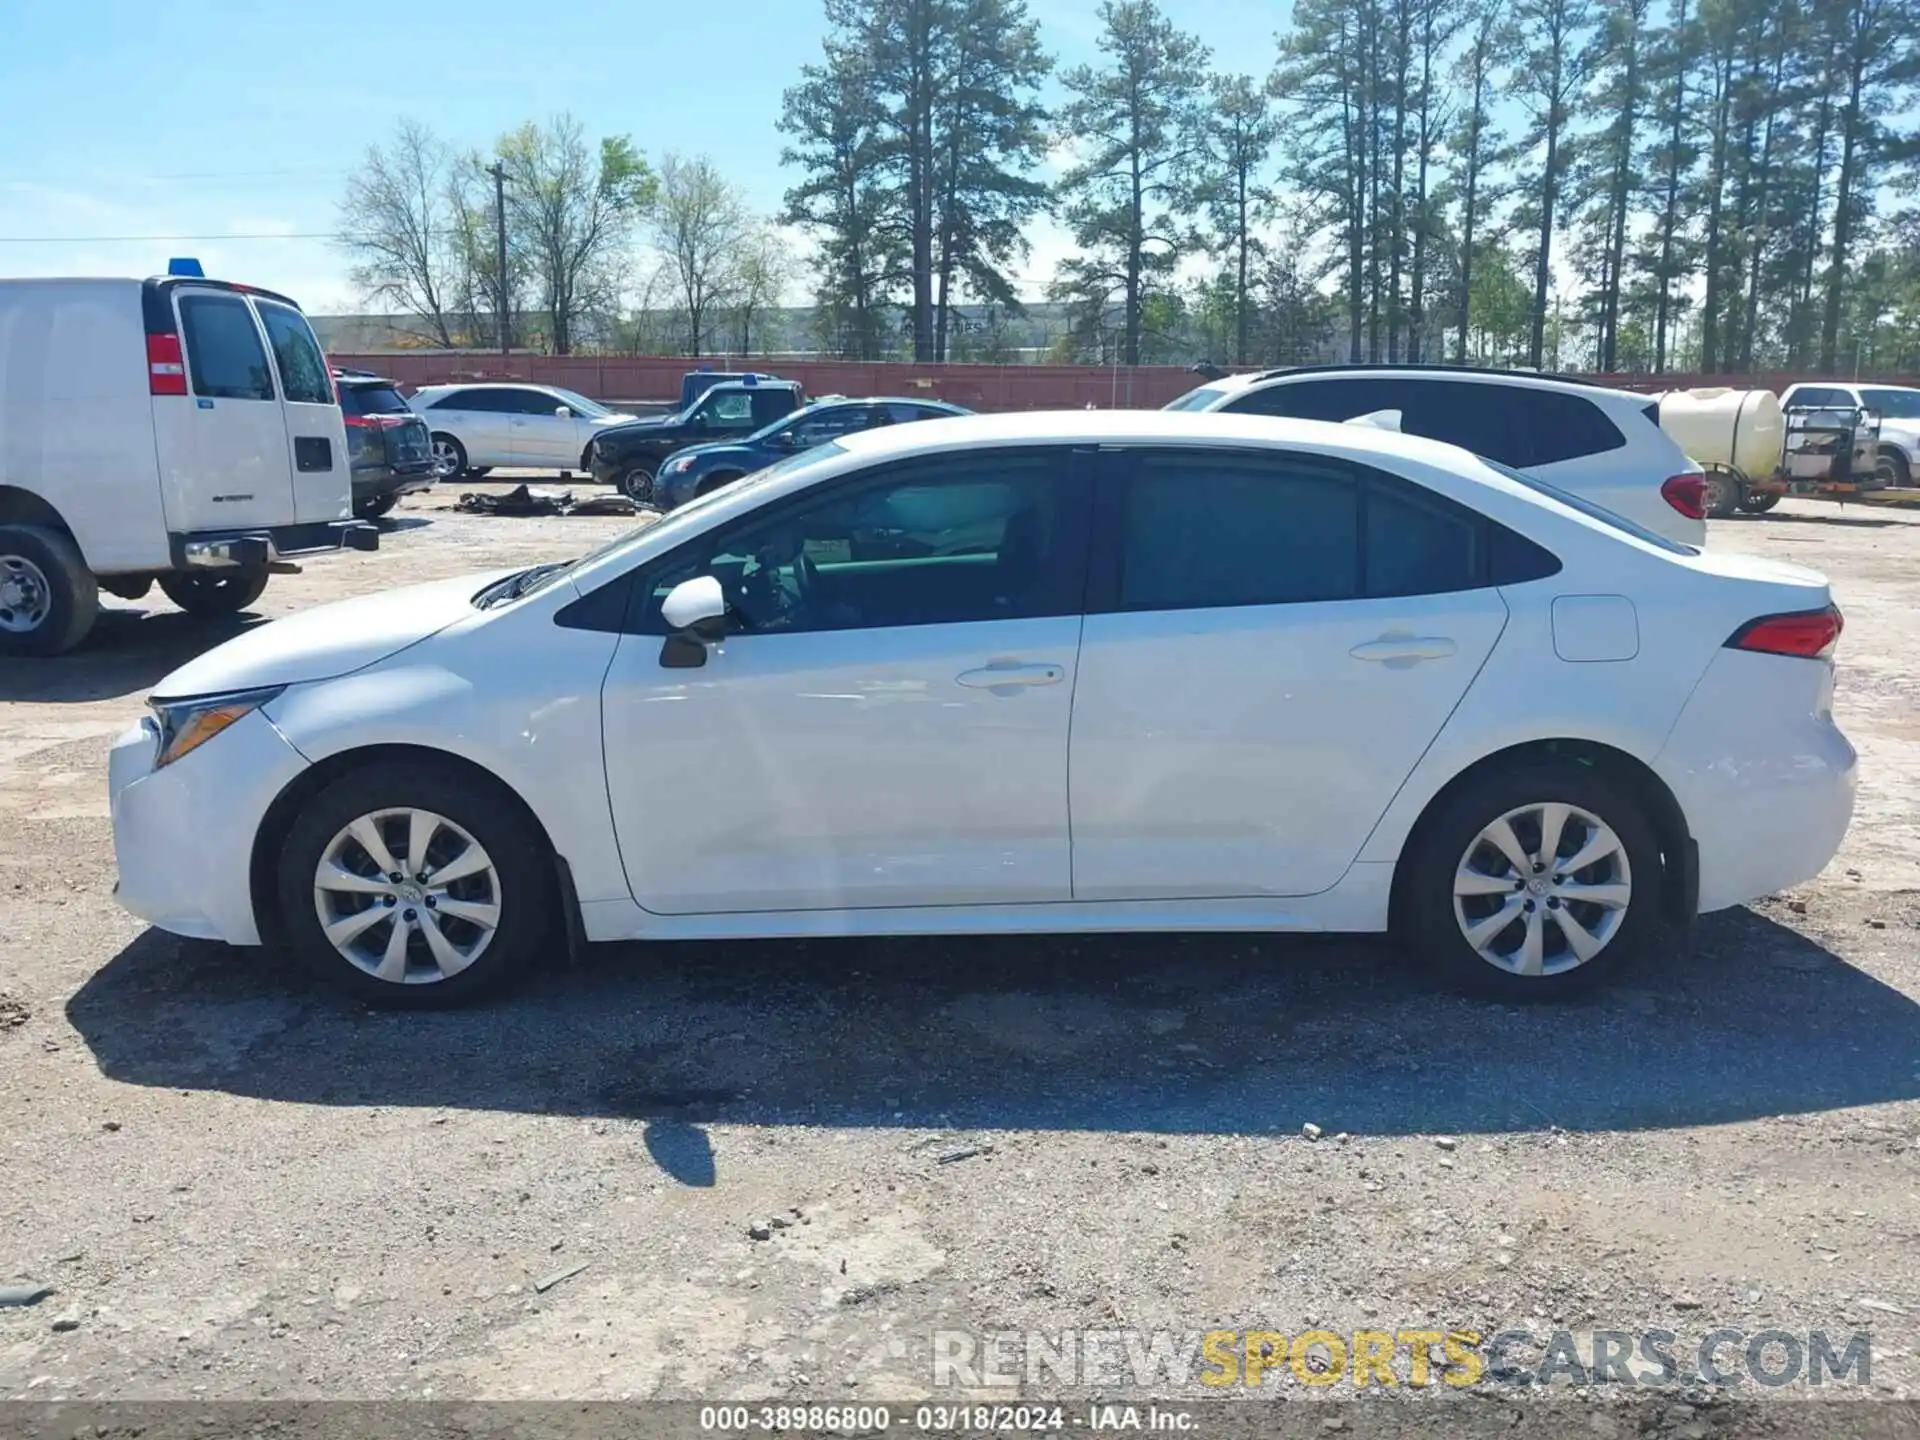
x: 316, y: 440
x: 218, y: 425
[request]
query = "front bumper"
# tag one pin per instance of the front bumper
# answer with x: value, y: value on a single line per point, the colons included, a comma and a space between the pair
x: 183, y: 835
x: 251, y: 549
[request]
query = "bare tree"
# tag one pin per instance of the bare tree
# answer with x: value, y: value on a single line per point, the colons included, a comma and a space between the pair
x: 570, y: 211
x: 702, y: 226
x: 396, y: 224
x: 766, y: 268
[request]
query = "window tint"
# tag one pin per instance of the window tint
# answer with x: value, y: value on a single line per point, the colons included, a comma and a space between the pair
x: 223, y: 348
x: 1565, y: 427
x: 1204, y: 529
x: 766, y: 405
x: 304, y: 378
x: 1332, y: 399
x: 993, y: 536
x: 1418, y: 544
x: 452, y: 400
x: 531, y: 402
x: 1813, y: 396
x: 824, y: 425
x: 1490, y: 420
x: 371, y: 400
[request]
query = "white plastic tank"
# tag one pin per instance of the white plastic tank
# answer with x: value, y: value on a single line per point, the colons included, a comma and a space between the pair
x: 1723, y: 426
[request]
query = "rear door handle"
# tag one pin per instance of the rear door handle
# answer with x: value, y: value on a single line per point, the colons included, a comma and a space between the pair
x: 992, y: 677
x: 1405, y: 647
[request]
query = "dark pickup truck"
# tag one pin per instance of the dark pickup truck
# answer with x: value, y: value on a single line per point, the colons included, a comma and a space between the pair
x: 629, y: 455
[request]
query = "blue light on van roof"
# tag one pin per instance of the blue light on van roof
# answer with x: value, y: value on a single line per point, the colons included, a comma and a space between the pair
x: 749, y: 379
x: 183, y: 265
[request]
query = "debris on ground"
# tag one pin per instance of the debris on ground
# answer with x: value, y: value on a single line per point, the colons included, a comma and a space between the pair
x: 538, y: 500
x: 547, y: 1282
x: 26, y: 1294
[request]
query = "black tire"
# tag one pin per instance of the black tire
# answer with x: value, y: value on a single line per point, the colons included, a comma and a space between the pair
x: 451, y: 453
x: 636, y: 481
x: 1724, y: 494
x: 1758, y: 502
x: 210, y: 593
x: 48, y: 597
x: 374, y: 508
x: 1448, y: 838
x: 1892, y: 468
x: 479, y: 472
x: 522, y: 865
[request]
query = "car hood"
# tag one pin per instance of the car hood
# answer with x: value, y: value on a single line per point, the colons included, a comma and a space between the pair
x: 328, y: 640
x: 607, y: 422
x: 645, y: 425
x: 711, y: 448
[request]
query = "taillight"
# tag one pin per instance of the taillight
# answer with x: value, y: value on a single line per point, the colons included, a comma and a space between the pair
x: 1803, y: 634
x: 1687, y: 494
x: 166, y: 369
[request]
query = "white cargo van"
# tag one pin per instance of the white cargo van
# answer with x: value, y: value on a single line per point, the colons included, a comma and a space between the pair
x: 178, y: 430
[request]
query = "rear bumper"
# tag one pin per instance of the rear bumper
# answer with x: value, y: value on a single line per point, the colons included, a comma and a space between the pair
x: 376, y: 482
x: 183, y: 835
x: 1764, y: 776
x: 250, y: 549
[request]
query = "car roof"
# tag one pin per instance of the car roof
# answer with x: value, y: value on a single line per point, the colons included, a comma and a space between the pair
x: 1121, y: 427
x: 1535, y: 379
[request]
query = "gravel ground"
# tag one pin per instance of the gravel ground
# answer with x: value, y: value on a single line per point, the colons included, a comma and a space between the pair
x: 240, y: 1187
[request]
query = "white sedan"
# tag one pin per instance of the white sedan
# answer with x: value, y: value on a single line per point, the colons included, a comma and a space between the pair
x: 477, y: 428
x: 1017, y: 673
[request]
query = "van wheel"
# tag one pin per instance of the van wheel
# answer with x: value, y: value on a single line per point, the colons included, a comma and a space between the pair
x: 223, y: 592
x: 48, y: 597
x: 408, y: 885
x: 1533, y: 883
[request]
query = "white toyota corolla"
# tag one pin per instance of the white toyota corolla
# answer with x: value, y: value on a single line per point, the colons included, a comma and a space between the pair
x: 1083, y: 672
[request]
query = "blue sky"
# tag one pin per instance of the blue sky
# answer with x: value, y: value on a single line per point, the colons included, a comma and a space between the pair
x: 217, y: 118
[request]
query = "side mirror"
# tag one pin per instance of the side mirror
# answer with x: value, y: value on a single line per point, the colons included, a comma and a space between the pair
x: 700, y: 421
x: 562, y: 412
x: 696, y: 613
x: 786, y: 440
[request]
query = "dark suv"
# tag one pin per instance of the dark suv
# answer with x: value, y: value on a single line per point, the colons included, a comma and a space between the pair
x: 387, y: 444
x: 629, y: 455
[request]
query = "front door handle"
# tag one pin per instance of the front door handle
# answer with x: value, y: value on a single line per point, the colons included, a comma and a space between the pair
x: 992, y: 677
x: 1405, y: 648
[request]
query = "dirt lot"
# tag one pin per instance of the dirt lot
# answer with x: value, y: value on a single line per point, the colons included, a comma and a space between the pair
x: 239, y: 1186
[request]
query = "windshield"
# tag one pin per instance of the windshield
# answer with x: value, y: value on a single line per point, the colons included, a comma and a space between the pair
x: 580, y: 404
x: 1587, y: 508
x: 1201, y: 399
x: 686, y: 517
x: 1896, y: 404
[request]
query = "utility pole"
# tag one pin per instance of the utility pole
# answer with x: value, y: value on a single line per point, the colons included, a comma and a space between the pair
x: 499, y: 173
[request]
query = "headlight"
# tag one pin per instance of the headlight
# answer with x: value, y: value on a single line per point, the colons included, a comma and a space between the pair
x: 186, y: 725
x: 680, y: 466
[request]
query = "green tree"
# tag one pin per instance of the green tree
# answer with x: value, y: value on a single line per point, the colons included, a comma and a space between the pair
x: 571, y: 208
x: 1136, y: 122
x: 1551, y: 37
x: 1239, y: 134
x: 1476, y: 141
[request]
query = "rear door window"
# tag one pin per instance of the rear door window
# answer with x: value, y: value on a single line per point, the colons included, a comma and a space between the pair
x: 1330, y: 399
x: 1819, y: 397
x: 1565, y: 427
x: 224, y: 353
x: 304, y: 378
x: 1489, y: 420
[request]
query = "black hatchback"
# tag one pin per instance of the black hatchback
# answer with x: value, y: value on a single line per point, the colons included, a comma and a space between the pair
x: 389, y: 446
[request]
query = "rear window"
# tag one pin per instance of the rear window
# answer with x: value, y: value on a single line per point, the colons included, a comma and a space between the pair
x: 223, y: 348
x: 1566, y: 427
x: 372, y: 400
x: 1592, y: 511
x: 304, y: 378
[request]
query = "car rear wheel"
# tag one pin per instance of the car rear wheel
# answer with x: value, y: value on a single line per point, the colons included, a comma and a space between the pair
x: 48, y: 597
x: 636, y: 482
x: 1758, y: 502
x: 409, y: 886
x: 1534, y: 883
x: 374, y: 508
x: 449, y: 456
x: 213, y: 592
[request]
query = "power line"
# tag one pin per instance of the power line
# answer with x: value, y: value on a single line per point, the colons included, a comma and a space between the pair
x: 159, y: 239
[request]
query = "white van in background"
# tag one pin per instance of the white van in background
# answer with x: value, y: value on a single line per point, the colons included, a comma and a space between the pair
x: 179, y: 430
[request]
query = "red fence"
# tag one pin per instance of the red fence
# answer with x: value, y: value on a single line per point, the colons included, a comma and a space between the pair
x: 978, y: 387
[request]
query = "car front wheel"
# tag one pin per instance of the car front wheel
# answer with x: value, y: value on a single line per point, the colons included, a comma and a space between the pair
x: 213, y: 592
x: 409, y: 886
x: 636, y: 481
x: 1533, y: 884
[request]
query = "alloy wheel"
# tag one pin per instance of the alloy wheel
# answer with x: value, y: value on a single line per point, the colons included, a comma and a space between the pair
x: 1543, y: 889
x: 446, y: 459
x: 407, y: 896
